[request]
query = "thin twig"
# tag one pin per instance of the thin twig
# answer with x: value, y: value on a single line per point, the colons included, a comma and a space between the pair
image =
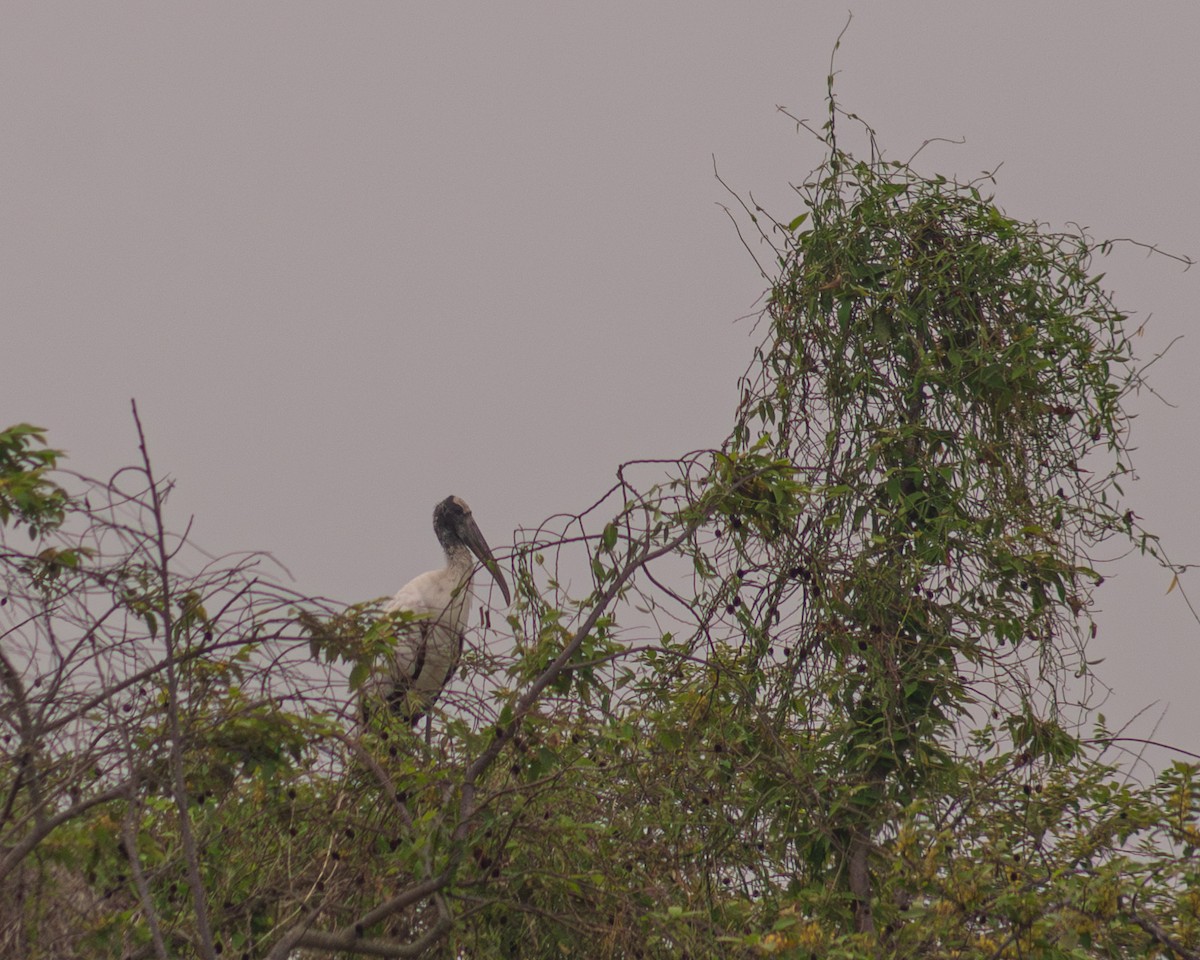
x: 179, y: 783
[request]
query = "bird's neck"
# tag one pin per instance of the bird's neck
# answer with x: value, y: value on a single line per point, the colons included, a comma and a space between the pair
x: 460, y: 560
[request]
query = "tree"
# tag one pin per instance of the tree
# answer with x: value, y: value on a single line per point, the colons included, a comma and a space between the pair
x: 826, y: 695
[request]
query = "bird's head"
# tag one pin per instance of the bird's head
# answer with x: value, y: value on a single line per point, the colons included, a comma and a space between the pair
x: 454, y: 526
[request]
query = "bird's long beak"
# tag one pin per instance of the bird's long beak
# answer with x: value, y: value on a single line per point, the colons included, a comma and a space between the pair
x: 474, y: 540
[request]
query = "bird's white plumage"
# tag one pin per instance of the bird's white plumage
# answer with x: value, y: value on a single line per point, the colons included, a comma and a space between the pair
x: 443, y: 598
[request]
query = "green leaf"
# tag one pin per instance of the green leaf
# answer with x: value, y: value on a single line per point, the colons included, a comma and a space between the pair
x: 609, y: 538
x: 358, y: 675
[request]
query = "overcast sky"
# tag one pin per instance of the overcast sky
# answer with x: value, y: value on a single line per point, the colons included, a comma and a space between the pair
x: 353, y: 257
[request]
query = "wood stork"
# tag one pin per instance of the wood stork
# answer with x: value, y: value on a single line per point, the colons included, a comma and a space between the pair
x: 428, y: 651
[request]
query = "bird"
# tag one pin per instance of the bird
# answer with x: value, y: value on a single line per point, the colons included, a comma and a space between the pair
x: 428, y: 651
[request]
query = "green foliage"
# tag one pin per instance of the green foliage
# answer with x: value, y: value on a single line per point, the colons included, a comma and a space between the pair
x: 26, y: 495
x: 361, y: 635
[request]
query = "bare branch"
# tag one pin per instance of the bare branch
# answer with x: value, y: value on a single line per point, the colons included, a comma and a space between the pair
x: 179, y: 784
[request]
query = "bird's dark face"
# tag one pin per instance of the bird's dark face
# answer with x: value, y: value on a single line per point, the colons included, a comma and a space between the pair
x: 454, y: 526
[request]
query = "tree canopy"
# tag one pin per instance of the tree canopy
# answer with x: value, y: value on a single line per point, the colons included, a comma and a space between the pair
x: 824, y: 693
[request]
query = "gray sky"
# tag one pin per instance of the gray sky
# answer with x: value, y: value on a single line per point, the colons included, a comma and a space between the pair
x: 353, y: 257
